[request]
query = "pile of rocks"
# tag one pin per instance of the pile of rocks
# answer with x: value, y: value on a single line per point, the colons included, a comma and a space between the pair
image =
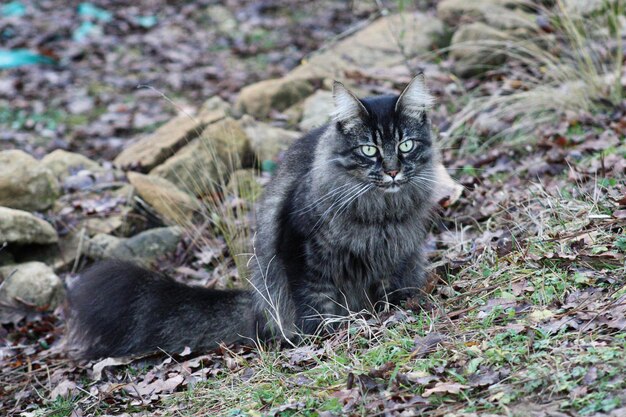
x: 26, y: 186
x: 56, y: 210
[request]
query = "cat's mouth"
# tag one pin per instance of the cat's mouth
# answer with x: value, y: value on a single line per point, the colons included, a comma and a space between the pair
x: 391, y: 186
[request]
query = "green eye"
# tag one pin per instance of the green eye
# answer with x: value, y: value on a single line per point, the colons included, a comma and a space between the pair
x: 406, y: 146
x: 369, y: 150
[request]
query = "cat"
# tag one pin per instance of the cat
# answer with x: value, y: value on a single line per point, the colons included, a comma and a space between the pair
x: 341, y: 228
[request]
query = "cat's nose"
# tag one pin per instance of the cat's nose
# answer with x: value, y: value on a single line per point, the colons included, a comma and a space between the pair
x: 392, y: 174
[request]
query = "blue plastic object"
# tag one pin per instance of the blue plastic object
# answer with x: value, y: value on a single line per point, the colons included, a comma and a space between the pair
x: 146, y: 21
x: 22, y: 57
x: 85, y: 30
x: 13, y: 9
x: 90, y: 11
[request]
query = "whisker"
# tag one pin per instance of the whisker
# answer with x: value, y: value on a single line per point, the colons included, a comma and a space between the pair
x: 344, y: 197
x: 419, y: 186
x: 429, y: 179
x: 333, y: 192
x: 347, y: 204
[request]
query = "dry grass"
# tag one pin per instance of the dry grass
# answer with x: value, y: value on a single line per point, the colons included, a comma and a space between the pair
x: 577, y: 68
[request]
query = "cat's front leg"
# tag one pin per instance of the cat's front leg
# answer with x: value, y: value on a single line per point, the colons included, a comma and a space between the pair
x: 316, y: 308
x: 410, y: 281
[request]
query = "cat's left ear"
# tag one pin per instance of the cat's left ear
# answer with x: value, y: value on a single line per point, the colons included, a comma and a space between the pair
x: 415, y: 100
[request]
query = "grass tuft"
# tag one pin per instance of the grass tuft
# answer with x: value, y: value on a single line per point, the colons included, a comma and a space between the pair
x: 576, y: 68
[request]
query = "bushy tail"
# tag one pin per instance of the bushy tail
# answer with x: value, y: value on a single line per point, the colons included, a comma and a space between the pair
x: 119, y: 309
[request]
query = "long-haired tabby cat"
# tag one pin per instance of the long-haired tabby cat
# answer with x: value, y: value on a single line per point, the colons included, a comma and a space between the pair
x: 340, y: 229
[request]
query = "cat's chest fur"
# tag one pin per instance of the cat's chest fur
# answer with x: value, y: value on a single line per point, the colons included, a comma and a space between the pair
x: 369, y: 242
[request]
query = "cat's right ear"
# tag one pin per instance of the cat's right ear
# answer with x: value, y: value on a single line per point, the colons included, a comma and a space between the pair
x: 349, y: 110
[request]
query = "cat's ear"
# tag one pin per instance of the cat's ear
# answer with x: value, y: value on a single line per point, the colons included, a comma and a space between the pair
x: 415, y: 100
x: 348, y: 108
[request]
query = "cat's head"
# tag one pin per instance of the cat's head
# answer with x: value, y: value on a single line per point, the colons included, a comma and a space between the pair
x: 385, y: 140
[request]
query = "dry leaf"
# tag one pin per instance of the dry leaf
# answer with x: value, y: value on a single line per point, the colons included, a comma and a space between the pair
x: 63, y: 389
x: 540, y: 315
x: 99, y: 367
x: 445, y: 387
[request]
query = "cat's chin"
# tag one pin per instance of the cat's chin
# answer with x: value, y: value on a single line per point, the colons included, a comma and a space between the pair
x: 392, y: 188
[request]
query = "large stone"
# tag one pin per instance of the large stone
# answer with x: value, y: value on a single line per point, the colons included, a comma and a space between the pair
x: 260, y: 98
x: 144, y: 248
x: 517, y: 21
x: 25, y: 183
x: 477, y: 48
x: 267, y: 141
x: 172, y: 204
x: 455, y: 12
x: 156, y: 147
x: 30, y: 283
x: 316, y: 110
x: 101, y: 246
x: 203, y: 166
x: 64, y: 164
x: 21, y: 227
x: 385, y: 43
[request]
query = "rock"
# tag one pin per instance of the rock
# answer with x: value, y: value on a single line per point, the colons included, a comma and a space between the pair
x: 156, y: 147
x: 477, y: 48
x: 316, y: 110
x: 174, y: 205
x: 214, y: 109
x: 82, y: 180
x: 377, y: 46
x: 516, y: 21
x: 143, y: 248
x: 25, y: 183
x: 456, y: 12
x: 293, y: 115
x: 32, y: 283
x: 64, y: 164
x: 204, y: 164
x: 260, y: 98
x: 101, y: 246
x: 21, y: 227
x: 267, y: 141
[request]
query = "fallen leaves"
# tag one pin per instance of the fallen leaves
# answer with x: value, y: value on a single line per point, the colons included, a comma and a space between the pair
x: 149, y: 388
x: 445, y: 388
x: 513, y: 220
x: 427, y: 344
x: 98, y: 368
x: 90, y: 101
